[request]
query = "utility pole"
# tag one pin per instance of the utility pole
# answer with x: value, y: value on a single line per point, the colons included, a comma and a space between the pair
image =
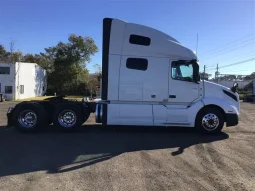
x: 197, y: 45
x: 204, y: 73
x: 217, y: 74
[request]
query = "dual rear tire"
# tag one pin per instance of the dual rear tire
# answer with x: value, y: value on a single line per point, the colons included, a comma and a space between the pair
x: 31, y: 116
x: 67, y: 117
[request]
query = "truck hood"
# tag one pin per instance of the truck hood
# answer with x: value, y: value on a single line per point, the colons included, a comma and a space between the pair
x: 216, y: 91
x: 214, y: 87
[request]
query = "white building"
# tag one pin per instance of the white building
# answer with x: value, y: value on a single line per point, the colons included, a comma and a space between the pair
x: 22, y: 80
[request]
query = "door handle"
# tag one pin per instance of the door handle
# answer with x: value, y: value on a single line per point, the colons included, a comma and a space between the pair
x: 172, y: 96
x: 153, y: 96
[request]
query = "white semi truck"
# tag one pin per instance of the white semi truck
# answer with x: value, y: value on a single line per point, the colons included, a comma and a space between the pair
x: 148, y: 79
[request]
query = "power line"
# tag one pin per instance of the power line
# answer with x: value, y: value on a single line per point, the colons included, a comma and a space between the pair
x: 215, y: 55
x: 243, y: 56
x: 247, y: 54
x: 226, y: 45
x: 241, y: 62
x: 231, y: 48
x: 210, y: 66
x: 237, y: 46
x: 233, y: 64
x: 240, y: 70
x: 197, y: 45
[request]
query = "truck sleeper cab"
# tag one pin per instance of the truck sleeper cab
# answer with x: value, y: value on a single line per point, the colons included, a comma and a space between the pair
x: 148, y: 79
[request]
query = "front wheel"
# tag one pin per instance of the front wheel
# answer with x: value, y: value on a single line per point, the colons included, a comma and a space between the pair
x: 210, y: 120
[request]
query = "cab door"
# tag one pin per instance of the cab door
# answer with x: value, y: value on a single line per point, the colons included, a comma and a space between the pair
x: 182, y: 91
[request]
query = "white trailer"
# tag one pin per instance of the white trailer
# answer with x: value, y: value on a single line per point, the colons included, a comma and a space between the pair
x: 148, y: 79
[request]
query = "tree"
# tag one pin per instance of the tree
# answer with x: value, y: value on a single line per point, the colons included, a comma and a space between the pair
x: 16, y: 57
x: 2, y: 52
x: 10, y: 56
x: 69, y: 64
x: 250, y: 77
x: 98, y: 72
x: 39, y: 59
x: 93, y: 85
x: 205, y: 76
x: 65, y: 64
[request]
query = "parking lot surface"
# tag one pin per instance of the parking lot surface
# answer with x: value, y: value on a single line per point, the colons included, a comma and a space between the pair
x: 95, y: 158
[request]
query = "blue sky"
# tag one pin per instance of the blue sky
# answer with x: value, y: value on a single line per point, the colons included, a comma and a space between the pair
x: 226, y: 29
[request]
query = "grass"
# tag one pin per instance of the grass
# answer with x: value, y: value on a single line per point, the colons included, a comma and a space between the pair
x: 40, y: 98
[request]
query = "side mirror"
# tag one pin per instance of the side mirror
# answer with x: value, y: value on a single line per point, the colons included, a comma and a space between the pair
x: 196, y: 78
x: 234, y: 88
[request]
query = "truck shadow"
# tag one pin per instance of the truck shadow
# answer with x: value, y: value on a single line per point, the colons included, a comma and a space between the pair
x: 57, y: 152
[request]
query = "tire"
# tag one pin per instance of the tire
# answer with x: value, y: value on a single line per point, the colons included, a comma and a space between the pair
x: 29, y: 117
x: 67, y: 117
x: 210, y: 121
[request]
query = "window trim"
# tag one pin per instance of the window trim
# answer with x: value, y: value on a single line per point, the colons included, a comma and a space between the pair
x: 178, y: 79
x: 5, y: 89
x: 8, y: 73
x: 145, y: 38
x: 20, y: 89
x: 136, y: 68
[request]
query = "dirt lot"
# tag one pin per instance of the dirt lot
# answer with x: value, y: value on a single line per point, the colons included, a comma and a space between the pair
x: 129, y: 159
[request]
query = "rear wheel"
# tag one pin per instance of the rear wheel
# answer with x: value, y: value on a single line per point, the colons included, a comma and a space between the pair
x: 67, y: 117
x: 210, y: 120
x: 29, y: 117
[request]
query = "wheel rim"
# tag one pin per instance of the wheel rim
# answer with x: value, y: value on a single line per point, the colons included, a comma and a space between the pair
x: 27, y: 118
x: 210, y: 122
x: 67, y: 118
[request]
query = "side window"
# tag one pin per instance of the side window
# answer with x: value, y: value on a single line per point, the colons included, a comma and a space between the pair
x: 4, y: 70
x: 8, y: 89
x: 137, y: 64
x: 182, y: 71
x: 21, y: 89
x: 139, y: 40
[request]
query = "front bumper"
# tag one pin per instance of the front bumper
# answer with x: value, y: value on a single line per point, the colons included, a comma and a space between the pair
x: 231, y: 119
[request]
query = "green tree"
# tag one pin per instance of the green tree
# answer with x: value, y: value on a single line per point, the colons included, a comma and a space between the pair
x: 2, y: 52
x: 204, y: 76
x: 93, y: 85
x: 98, y: 72
x: 250, y: 77
x: 10, y: 56
x: 69, y: 64
x: 39, y: 59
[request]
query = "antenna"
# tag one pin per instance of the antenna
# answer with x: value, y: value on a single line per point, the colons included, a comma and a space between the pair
x: 197, y: 44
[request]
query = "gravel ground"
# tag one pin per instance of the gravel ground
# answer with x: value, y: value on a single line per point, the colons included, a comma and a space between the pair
x: 129, y: 159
